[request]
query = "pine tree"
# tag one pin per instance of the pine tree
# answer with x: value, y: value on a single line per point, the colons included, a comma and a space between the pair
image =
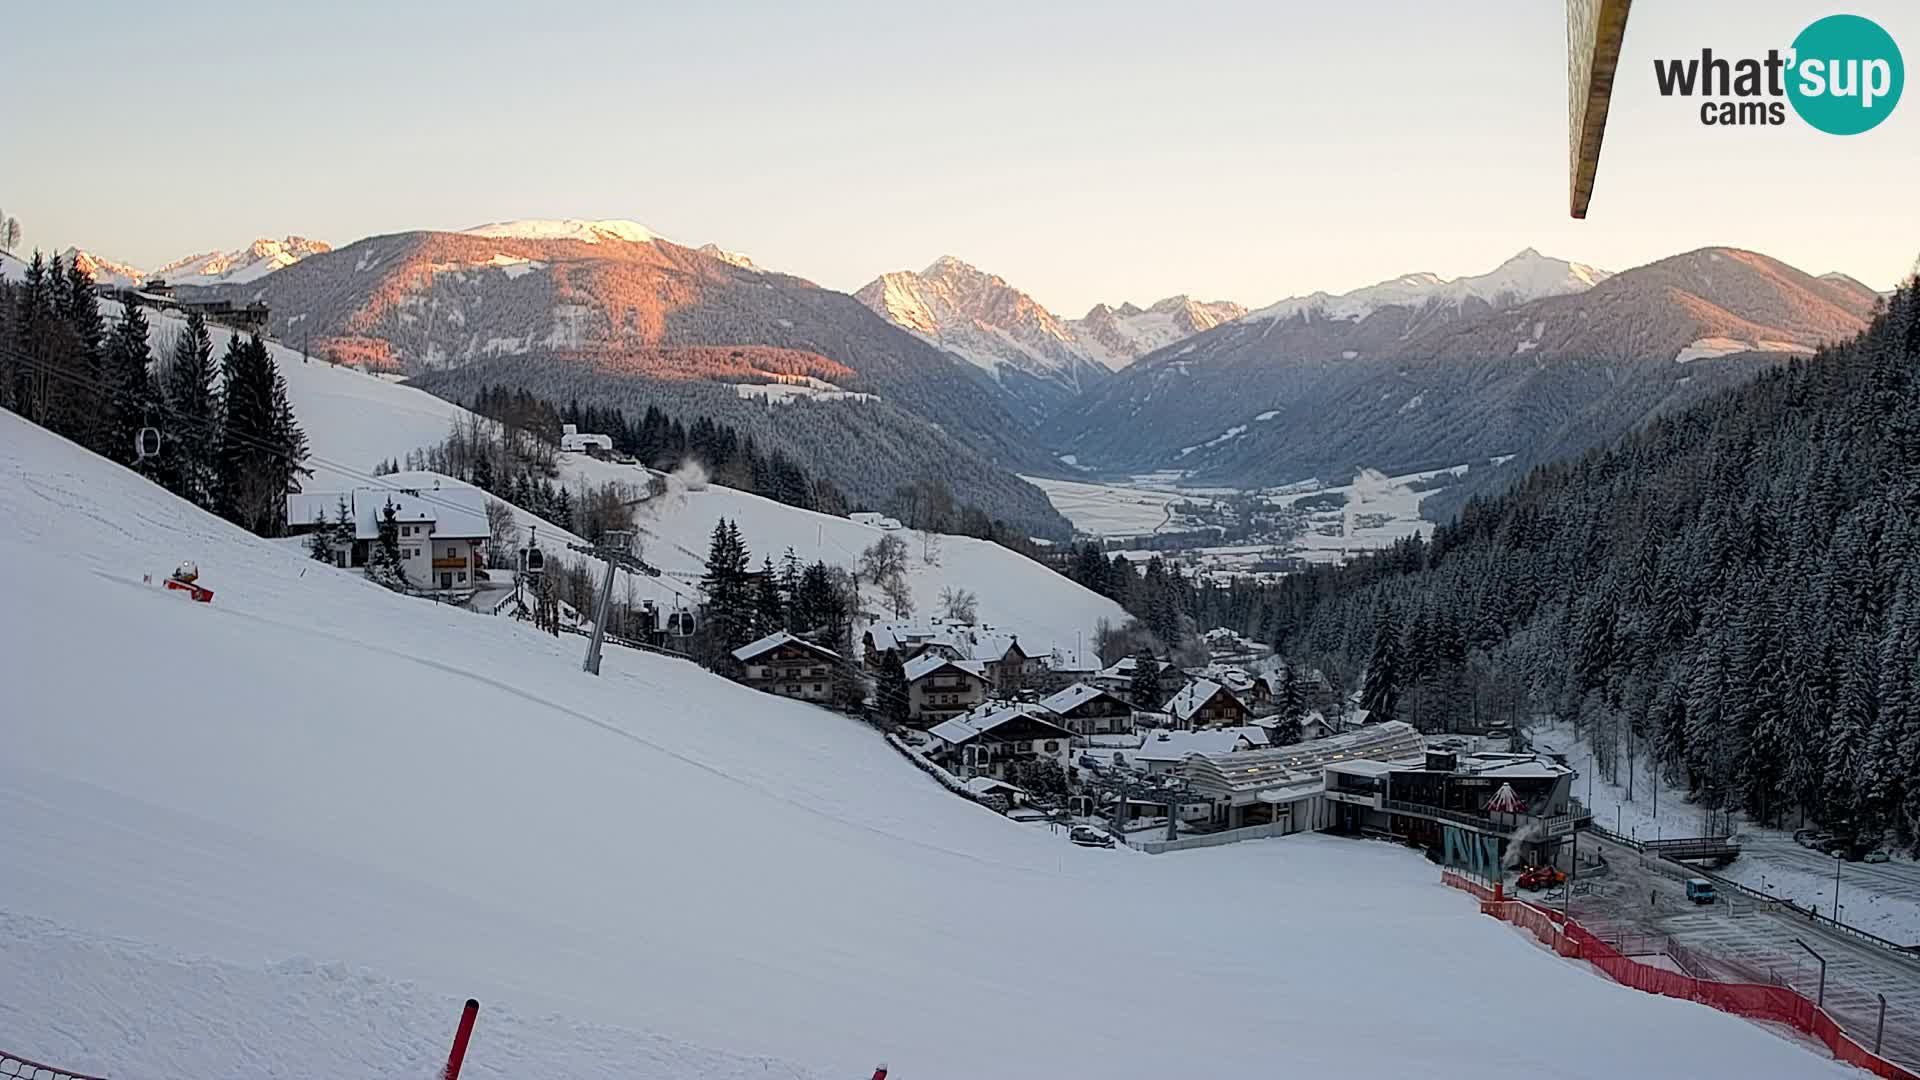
x: 320, y: 541
x: 770, y: 613
x: 131, y: 400
x: 188, y: 449
x: 1144, y: 687
x: 1380, y: 693
x: 85, y: 409
x: 730, y: 607
x: 1288, y: 699
x: 789, y: 585
x: 384, y: 562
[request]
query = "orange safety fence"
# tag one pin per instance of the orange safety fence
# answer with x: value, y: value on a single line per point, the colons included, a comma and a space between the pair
x: 1776, y: 1004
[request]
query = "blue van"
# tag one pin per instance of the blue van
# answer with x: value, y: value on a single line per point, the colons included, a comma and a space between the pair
x: 1700, y: 890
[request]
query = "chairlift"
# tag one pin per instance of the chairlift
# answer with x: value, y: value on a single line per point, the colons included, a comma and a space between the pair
x: 146, y: 444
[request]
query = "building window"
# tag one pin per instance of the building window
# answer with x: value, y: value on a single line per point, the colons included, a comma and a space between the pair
x: 1053, y: 746
x: 452, y: 554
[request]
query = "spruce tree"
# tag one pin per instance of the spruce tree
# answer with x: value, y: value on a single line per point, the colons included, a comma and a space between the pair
x: 770, y: 613
x: 1143, y: 689
x: 189, y: 449
x: 131, y: 401
x: 384, y: 561
x: 1380, y: 693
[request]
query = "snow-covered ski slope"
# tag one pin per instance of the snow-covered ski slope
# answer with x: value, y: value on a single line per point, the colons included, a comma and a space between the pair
x: 285, y: 833
x: 356, y: 420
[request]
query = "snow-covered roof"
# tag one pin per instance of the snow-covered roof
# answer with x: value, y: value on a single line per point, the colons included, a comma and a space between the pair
x: 963, y: 729
x: 1193, y: 697
x: 775, y: 640
x: 1072, y: 697
x: 456, y: 511
x: 1123, y: 667
x: 987, y: 785
x: 927, y: 663
x: 1252, y: 770
x: 1179, y: 745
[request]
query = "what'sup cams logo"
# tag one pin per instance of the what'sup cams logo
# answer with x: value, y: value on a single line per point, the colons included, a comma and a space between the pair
x: 1843, y: 75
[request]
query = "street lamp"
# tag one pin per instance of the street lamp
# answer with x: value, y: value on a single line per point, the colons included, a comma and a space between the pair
x: 1836, y: 886
x: 1821, y: 1000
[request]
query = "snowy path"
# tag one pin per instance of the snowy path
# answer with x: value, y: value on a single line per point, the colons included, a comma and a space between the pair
x: 286, y: 833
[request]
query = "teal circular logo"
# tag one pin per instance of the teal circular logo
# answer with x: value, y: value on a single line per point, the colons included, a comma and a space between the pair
x: 1846, y: 76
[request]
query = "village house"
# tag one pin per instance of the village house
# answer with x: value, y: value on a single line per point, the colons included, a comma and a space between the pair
x: 574, y: 442
x: 442, y: 532
x: 939, y: 689
x: 1007, y: 666
x: 788, y: 666
x: 1205, y: 704
x: 991, y: 740
x: 1089, y: 710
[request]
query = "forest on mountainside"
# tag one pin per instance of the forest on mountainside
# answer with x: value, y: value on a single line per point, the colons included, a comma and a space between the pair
x: 1730, y: 595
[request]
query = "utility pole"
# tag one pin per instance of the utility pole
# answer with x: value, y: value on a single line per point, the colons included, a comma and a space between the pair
x: 1836, y: 888
x: 615, y: 548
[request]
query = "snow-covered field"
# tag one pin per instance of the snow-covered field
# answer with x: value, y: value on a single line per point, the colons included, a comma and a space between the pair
x: 1108, y: 509
x: 1379, y: 510
x: 1882, y: 899
x: 285, y: 833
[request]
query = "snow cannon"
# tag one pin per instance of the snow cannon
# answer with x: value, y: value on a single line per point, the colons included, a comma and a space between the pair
x: 186, y: 578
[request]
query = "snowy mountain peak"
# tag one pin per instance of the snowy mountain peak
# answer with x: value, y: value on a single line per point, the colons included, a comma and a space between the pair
x: 256, y: 260
x: 1526, y: 276
x: 977, y: 316
x: 587, y: 232
x: 732, y: 258
x: 103, y: 271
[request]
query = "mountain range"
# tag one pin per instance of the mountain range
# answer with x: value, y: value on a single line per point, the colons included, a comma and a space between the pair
x: 613, y: 313
x: 256, y: 260
x: 1039, y: 358
x: 1539, y: 359
x: 954, y: 372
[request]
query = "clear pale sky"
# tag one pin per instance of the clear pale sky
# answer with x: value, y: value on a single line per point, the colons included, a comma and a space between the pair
x: 1086, y: 152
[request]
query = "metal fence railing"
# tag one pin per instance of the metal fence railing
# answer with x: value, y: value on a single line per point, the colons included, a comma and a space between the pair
x: 15, y: 1067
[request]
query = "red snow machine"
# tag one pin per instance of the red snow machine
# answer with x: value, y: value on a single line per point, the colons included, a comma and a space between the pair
x: 186, y: 578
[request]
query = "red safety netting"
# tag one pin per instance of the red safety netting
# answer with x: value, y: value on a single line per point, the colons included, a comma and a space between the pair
x: 13, y: 1065
x: 1459, y: 881
x: 1777, y: 1004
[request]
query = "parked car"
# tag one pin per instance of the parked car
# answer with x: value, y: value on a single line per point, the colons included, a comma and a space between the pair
x: 1700, y: 890
x: 1817, y: 841
x: 1088, y: 836
x: 1876, y: 855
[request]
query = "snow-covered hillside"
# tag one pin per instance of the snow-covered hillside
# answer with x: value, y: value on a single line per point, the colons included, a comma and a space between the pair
x: 355, y: 420
x: 285, y: 833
